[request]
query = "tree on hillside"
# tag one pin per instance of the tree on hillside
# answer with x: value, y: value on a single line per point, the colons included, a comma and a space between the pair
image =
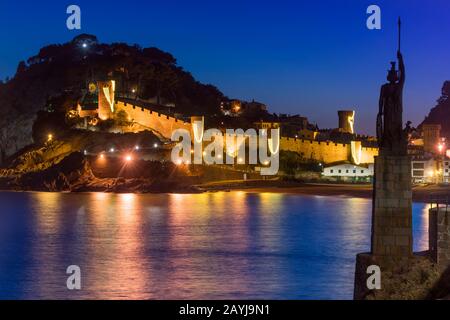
x: 69, y: 67
x: 122, y: 119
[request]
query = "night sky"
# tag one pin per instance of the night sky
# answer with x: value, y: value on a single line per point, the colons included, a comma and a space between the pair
x: 299, y: 57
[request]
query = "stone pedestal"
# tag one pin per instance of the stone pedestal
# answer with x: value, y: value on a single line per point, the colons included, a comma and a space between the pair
x: 439, y: 236
x: 392, y: 207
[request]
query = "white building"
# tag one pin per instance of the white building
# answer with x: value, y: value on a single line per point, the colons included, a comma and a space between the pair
x: 446, y: 170
x: 348, y: 172
x: 424, y: 170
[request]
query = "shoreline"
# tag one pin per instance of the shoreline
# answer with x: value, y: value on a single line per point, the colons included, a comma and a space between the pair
x: 421, y: 194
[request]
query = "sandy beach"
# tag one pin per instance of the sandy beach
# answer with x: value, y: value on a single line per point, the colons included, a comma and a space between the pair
x: 421, y: 193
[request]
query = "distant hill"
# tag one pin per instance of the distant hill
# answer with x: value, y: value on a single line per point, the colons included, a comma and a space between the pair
x: 64, y: 70
x: 440, y: 114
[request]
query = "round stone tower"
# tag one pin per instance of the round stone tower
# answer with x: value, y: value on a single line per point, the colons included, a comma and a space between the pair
x: 346, y: 121
x: 106, y: 92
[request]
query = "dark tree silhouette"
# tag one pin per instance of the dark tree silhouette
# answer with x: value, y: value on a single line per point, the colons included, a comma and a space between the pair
x: 440, y: 114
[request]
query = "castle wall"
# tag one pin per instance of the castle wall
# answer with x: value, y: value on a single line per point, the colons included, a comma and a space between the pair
x: 325, y: 151
x: 158, y: 122
x: 368, y: 155
x: 86, y: 113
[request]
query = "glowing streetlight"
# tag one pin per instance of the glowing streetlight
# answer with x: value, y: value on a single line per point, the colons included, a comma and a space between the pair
x: 136, y: 147
x: 128, y: 158
x: 84, y: 45
x: 440, y: 147
x: 112, y: 150
x: 49, y: 137
x: 155, y: 145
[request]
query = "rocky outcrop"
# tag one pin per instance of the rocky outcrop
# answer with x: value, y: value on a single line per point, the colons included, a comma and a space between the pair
x: 42, y: 158
x: 401, y: 279
x: 73, y: 173
x: 59, y: 177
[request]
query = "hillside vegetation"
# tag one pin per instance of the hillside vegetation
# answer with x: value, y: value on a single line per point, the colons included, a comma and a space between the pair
x: 56, y: 77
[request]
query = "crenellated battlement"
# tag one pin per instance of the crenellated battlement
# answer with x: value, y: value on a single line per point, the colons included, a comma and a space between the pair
x: 325, y: 151
x: 159, y: 122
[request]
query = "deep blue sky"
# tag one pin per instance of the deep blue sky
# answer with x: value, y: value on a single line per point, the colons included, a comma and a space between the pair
x: 300, y: 57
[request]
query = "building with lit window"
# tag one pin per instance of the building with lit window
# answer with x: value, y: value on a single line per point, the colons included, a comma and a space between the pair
x: 349, y: 172
x: 446, y: 170
x: 424, y: 170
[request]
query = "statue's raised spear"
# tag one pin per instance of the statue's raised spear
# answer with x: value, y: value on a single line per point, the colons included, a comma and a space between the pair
x: 399, y: 35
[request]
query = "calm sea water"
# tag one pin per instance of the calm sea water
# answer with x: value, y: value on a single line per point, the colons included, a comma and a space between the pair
x: 222, y: 245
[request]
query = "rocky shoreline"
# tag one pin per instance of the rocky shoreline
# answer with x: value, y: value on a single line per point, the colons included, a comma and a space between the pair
x: 74, y: 174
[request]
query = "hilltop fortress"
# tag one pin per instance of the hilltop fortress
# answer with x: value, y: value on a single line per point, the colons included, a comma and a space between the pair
x: 340, y: 145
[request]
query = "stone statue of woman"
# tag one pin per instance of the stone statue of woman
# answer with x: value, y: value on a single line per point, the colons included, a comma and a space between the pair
x: 391, y: 139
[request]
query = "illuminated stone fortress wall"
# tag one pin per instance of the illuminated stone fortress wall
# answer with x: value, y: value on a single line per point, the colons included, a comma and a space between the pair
x: 310, y: 149
x: 161, y: 124
x: 328, y: 151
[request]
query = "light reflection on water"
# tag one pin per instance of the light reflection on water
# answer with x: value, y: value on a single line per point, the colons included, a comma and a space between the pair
x: 225, y: 245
